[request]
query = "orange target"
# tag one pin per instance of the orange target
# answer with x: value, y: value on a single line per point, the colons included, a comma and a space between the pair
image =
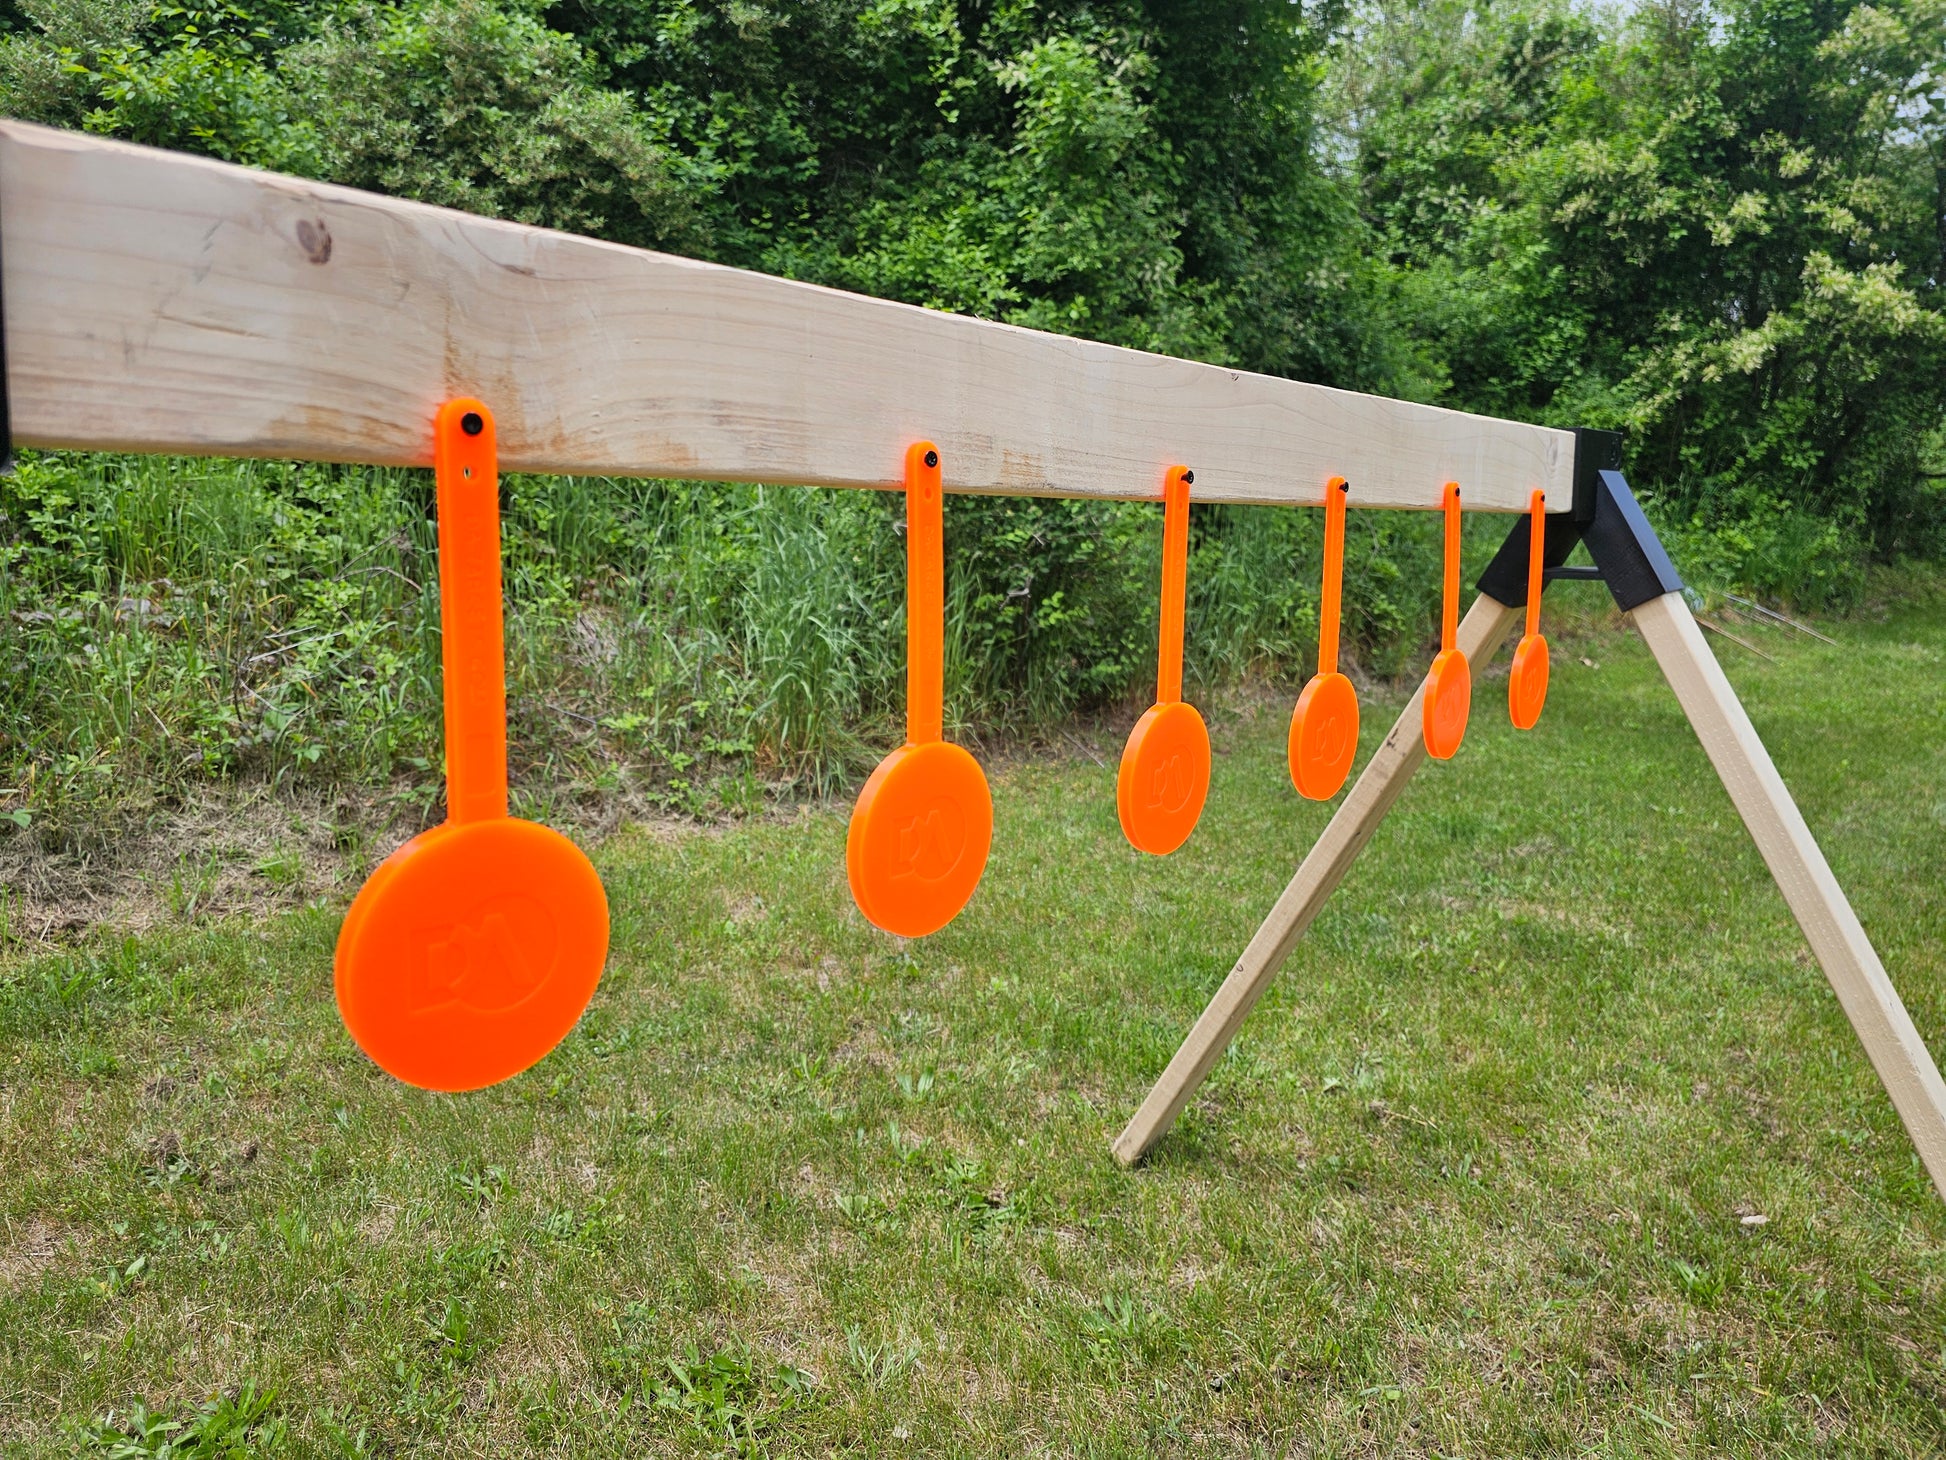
x: 1449, y: 684
x: 924, y: 821
x: 1164, y: 775
x: 1527, y: 685
x: 472, y: 950
x: 1324, y: 727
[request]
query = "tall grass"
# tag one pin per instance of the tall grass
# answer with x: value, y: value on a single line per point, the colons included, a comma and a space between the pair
x: 169, y: 622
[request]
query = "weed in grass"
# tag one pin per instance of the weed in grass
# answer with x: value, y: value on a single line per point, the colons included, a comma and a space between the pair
x: 227, y: 1427
x: 1699, y: 1283
x: 283, y: 868
x: 190, y: 885
x: 724, y: 1397
x: 293, y: 1232
x: 453, y: 1333
x: 483, y: 1187
x: 971, y: 1205
x: 347, y: 1434
x: 1120, y: 1329
x: 855, y: 1207
x: 917, y: 1088
x: 118, y: 1279
x: 879, y: 1365
x: 906, y: 1145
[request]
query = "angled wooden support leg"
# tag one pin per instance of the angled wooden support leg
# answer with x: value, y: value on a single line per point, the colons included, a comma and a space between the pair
x: 1384, y: 777
x: 1803, y: 876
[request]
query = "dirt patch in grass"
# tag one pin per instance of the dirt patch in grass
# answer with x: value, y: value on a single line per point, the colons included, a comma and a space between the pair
x: 229, y: 852
x: 29, y: 1251
x: 254, y: 849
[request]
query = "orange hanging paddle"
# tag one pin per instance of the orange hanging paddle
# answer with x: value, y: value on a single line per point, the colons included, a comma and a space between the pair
x: 1324, y: 727
x: 924, y: 822
x: 1527, y: 685
x: 1164, y: 776
x: 473, y: 948
x: 1449, y: 683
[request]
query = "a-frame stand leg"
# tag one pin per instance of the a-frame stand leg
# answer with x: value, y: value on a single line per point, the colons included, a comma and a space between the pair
x: 1803, y: 876
x: 1385, y: 776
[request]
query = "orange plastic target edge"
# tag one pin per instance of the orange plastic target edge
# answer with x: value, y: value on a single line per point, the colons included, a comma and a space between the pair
x: 1527, y: 684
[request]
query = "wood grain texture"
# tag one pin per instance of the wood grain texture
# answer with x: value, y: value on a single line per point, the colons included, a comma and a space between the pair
x: 159, y: 302
x: 1837, y: 938
x: 1385, y: 776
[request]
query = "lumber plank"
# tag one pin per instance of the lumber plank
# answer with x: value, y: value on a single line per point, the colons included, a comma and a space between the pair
x: 1384, y: 778
x: 167, y: 303
x: 1837, y: 938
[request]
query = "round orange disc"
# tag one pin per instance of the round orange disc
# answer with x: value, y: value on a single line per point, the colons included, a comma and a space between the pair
x: 1324, y: 736
x: 1164, y: 778
x: 1527, y: 685
x: 470, y: 952
x: 1449, y: 695
x: 919, y: 838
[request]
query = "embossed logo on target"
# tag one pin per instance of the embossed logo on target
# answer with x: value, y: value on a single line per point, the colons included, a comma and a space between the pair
x: 490, y: 962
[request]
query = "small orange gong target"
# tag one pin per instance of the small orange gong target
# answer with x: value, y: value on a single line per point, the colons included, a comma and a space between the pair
x: 1164, y: 775
x: 473, y: 948
x: 1324, y: 727
x: 1449, y: 684
x: 924, y: 822
x: 1527, y: 685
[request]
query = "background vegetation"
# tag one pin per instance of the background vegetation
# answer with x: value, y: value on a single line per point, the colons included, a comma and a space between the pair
x: 1719, y: 227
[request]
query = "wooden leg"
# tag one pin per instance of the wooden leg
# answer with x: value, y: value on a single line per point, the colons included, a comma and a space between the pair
x: 1384, y: 777
x: 1804, y: 877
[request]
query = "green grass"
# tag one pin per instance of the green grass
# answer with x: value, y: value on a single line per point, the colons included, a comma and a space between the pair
x: 1480, y: 1178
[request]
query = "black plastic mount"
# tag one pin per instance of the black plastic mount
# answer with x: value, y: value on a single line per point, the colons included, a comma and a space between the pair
x: 1605, y: 515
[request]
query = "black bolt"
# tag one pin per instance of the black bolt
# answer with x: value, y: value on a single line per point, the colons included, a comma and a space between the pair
x: 932, y: 458
x: 472, y: 423
x: 1344, y: 486
x: 1189, y: 478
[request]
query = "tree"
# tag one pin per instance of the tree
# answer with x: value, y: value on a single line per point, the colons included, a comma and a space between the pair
x: 1717, y: 227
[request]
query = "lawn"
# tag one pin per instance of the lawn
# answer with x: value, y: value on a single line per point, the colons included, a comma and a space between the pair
x: 1550, y: 1139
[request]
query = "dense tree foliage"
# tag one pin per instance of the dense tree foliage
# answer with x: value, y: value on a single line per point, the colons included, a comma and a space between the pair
x: 1718, y: 226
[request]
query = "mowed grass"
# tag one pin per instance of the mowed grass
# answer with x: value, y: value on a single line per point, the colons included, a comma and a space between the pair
x: 1550, y: 1139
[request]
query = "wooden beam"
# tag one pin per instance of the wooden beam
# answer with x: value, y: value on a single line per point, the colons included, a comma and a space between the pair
x: 160, y: 302
x: 1815, y: 899
x: 1401, y: 753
